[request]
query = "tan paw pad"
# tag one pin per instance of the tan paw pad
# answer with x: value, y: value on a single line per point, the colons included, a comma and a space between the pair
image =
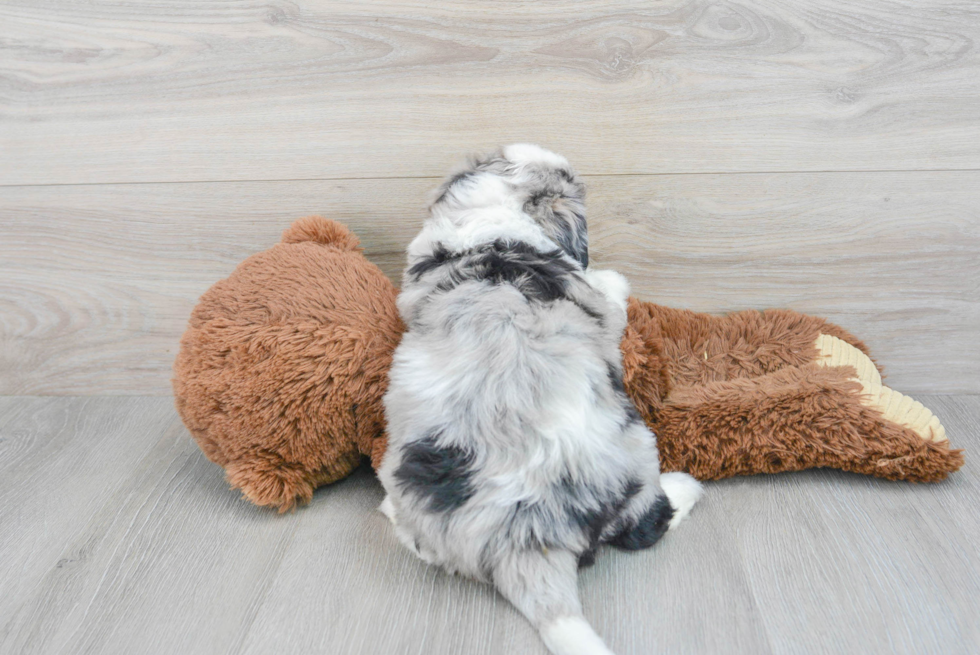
x: 893, y: 405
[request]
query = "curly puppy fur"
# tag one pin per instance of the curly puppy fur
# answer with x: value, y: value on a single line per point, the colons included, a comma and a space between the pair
x: 514, y: 451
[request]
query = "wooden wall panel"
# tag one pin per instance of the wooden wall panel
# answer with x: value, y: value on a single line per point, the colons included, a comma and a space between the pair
x: 97, y: 282
x: 194, y: 90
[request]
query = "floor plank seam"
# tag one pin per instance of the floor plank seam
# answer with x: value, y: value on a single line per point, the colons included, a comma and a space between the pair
x: 436, y: 178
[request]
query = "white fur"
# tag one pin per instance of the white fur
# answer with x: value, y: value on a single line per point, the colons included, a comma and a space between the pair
x: 528, y: 153
x: 387, y: 509
x: 613, y: 284
x: 513, y: 450
x: 572, y: 635
x: 683, y: 491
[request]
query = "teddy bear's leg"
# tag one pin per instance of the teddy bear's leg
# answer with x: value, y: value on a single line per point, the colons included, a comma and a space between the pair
x: 893, y: 405
x: 268, y: 480
x: 793, y: 419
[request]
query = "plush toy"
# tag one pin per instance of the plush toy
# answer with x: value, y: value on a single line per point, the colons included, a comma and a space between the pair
x: 282, y: 370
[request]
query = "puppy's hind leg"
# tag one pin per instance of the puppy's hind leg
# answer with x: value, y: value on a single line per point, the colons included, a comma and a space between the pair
x: 652, y: 518
x: 407, y: 539
x: 543, y: 586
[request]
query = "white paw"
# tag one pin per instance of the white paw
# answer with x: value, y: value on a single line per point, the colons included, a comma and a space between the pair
x: 572, y: 635
x: 682, y: 491
x: 612, y: 284
x: 387, y: 508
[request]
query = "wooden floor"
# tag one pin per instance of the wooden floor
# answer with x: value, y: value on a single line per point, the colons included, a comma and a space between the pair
x: 118, y: 536
x: 822, y: 155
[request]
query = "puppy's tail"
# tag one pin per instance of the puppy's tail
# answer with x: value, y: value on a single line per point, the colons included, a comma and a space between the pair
x: 543, y: 586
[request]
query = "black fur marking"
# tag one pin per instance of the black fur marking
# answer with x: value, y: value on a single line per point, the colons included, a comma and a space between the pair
x: 592, y: 514
x: 599, y: 521
x: 439, y: 256
x: 615, y: 375
x: 632, y: 415
x: 536, y: 197
x: 649, y: 529
x: 541, y: 276
x: 555, y: 206
x: 575, y: 240
x: 590, y: 312
x: 589, y: 514
x: 566, y: 228
x: 442, y: 473
x: 633, y: 487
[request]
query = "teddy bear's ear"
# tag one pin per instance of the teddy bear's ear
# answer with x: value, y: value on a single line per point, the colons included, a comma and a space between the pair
x: 321, y: 230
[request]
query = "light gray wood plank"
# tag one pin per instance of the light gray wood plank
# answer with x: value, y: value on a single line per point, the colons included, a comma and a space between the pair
x: 688, y: 594
x: 97, y: 282
x: 118, y: 536
x: 845, y: 563
x: 61, y: 461
x: 761, y: 566
x: 176, y: 91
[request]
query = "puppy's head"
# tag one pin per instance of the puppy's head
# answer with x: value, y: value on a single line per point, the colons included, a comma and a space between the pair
x: 536, y: 182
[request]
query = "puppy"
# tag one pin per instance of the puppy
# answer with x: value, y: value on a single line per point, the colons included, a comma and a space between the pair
x: 513, y: 449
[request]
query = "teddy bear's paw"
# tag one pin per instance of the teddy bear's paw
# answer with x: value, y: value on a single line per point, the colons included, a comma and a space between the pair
x: 837, y: 352
x: 894, y: 406
x: 910, y: 413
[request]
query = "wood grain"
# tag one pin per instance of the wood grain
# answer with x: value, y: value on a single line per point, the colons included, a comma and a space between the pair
x: 63, y: 462
x: 117, y: 529
x: 190, y: 91
x: 845, y: 552
x: 119, y: 537
x: 97, y: 282
x: 814, y: 154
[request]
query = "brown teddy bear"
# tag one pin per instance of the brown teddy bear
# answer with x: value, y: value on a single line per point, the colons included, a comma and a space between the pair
x: 282, y: 370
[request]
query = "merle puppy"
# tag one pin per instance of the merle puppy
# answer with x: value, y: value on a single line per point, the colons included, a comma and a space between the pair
x: 513, y: 449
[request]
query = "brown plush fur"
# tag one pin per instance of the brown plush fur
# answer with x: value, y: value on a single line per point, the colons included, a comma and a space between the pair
x: 282, y: 370
x: 743, y: 396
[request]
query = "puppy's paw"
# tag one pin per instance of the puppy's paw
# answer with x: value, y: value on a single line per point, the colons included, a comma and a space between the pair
x: 682, y: 491
x: 410, y: 541
x: 387, y: 508
x: 612, y: 284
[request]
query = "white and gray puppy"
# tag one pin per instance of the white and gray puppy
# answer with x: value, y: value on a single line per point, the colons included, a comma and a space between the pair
x: 513, y: 449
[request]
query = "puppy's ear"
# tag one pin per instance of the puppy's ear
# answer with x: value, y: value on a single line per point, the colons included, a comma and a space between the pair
x: 456, y: 183
x: 557, y: 204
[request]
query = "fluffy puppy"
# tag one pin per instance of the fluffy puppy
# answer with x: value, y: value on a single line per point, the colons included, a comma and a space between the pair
x: 513, y: 449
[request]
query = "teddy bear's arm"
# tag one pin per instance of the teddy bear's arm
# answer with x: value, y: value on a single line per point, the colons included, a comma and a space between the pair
x: 699, y: 348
